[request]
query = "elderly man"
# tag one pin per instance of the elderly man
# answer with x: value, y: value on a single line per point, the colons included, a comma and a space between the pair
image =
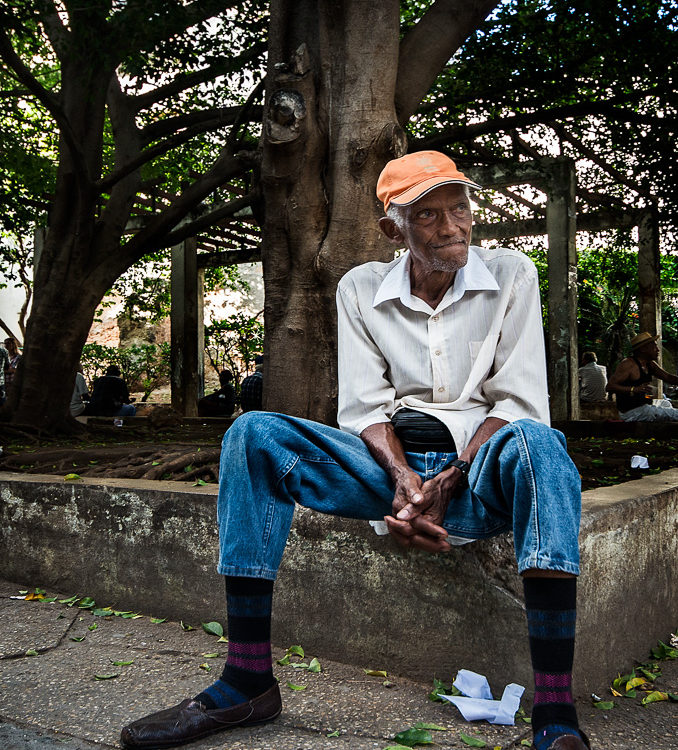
x: 444, y: 434
x: 592, y: 379
x: 631, y: 383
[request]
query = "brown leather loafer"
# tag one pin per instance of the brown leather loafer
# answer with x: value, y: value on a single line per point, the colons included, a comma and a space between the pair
x: 570, y: 742
x: 190, y: 721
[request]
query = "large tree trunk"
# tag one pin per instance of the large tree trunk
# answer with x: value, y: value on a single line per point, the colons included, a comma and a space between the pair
x: 329, y: 128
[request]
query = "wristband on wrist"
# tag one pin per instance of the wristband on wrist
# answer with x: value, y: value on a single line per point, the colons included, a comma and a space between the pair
x: 463, y: 466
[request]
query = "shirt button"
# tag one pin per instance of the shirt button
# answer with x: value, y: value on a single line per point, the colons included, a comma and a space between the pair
x: 441, y: 389
x: 435, y: 318
x: 438, y: 352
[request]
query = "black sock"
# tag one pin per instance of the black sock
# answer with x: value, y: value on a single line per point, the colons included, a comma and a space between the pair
x: 551, y: 605
x: 248, y: 671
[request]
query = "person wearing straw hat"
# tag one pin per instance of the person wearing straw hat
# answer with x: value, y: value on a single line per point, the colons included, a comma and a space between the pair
x: 444, y: 437
x: 630, y: 383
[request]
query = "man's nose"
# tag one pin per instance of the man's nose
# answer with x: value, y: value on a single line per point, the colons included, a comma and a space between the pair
x: 448, y: 223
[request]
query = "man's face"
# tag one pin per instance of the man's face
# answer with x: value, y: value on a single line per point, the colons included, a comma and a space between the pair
x: 437, y: 230
x: 649, y: 351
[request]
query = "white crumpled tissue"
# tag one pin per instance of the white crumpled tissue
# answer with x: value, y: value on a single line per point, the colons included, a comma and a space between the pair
x: 477, y: 702
x: 639, y: 462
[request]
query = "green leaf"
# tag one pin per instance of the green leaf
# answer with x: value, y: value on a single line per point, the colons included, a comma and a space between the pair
x: 71, y: 477
x: 284, y: 661
x: 314, y: 666
x: 70, y: 600
x: 212, y: 655
x: 78, y: 638
x: 396, y: 747
x: 86, y: 603
x: 102, y: 612
x: 434, y: 727
x: 155, y: 463
x: 48, y: 599
x: 597, y: 462
x: 184, y: 626
x: 300, y: 665
x: 411, y: 737
x: 296, y: 651
x: 121, y: 663
x: 654, y: 697
x: 105, y: 676
x: 205, y: 667
x: 604, y: 705
x: 131, y: 616
x: 673, y: 697
x: 213, y: 628
x: 200, y: 483
x: 526, y: 743
x: 630, y: 694
x: 292, y: 686
x: 333, y: 734
x: 31, y: 652
x: 23, y: 591
x: 93, y: 626
x: 375, y: 672
x: 158, y: 620
x: 472, y: 741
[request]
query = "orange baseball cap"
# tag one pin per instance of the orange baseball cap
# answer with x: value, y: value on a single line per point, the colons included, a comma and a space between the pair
x: 405, y: 180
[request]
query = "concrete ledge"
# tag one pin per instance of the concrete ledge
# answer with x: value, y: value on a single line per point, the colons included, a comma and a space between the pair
x: 344, y: 592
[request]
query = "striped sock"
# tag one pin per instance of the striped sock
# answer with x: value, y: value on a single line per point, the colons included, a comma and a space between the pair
x: 248, y: 671
x: 551, y: 617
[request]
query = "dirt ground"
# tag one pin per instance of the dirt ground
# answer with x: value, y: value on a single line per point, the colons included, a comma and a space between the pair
x: 180, y: 450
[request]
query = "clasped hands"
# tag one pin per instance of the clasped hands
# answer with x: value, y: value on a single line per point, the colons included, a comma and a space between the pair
x: 419, y: 509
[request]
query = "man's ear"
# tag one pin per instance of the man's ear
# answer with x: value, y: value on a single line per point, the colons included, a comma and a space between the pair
x: 390, y: 229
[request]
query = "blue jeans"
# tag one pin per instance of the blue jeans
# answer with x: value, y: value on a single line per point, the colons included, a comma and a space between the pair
x: 521, y: 479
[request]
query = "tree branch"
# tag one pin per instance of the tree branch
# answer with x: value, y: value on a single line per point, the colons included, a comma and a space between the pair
x: 225, y: 115
x: 188, y: 80
x: 226, y: 168
x: 460, y: 133
x: 207, y: 220
x: 157, y: 29
x: 590, y: 154
x: 430, y: 44
x: 48, y: 100
x: 105, y: 183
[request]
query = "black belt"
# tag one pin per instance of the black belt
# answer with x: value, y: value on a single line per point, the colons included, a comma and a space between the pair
x: 419, y: 432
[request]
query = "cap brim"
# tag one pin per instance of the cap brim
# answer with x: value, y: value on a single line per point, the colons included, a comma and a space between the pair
x: 646, y: 341
x: 418, y: 191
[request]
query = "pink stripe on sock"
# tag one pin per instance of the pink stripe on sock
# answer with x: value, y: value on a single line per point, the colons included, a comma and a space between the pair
x: 250, y: 649
x: 251, y: 665
x: 553, y: 696
x: 543, y: 679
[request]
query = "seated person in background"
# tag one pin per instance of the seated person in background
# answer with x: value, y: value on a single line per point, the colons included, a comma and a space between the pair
x: 252, y: 387
x: 631, y: 383
x: 221, y: 403
x: 592, y: 378
x: 110, y: 397
x: 14, y: 356
x: 80, y: 394
x: 4, y: 369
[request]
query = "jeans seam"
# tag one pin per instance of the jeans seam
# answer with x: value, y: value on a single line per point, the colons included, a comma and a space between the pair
x: 529, y: 474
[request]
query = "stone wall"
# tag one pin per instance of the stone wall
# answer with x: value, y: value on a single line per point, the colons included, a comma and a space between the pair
x: 344, y: 592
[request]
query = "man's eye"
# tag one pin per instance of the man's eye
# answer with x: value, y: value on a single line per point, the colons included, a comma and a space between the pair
x: 425, y: 214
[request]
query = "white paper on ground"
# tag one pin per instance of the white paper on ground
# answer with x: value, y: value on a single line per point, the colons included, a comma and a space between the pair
x: 477, y: 701
x: 639, y: 462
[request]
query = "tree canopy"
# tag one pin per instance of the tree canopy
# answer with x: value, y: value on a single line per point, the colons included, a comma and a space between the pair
x: 129, y: 125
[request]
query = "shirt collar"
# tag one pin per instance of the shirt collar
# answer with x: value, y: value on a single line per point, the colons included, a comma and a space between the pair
x: 396, y: 284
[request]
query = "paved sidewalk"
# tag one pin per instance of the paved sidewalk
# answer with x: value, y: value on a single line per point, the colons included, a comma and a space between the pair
x: 52, y: 699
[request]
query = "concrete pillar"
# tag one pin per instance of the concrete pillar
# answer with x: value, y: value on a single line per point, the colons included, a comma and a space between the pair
x: 562, y: 275
x: 187, y: 329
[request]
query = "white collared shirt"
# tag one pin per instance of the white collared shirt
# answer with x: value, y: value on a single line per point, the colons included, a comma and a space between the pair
x: 479, y: 354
